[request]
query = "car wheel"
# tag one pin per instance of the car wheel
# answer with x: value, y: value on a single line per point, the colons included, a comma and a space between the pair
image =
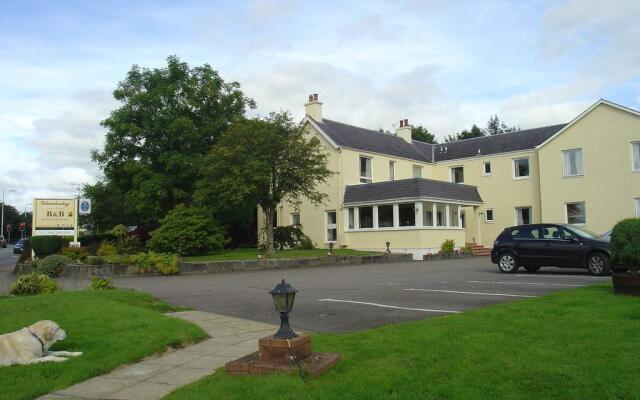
x: 598, y: 264
x: 507, y: 263
x: 532, y: 268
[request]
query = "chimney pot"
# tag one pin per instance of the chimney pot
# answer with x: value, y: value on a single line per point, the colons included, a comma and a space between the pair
x: 406, y: 122
x: 315, y: 97
x: 401, y: 124
x: 310, y: 98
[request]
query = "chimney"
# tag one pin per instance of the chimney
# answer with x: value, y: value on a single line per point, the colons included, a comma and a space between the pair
x: 404, y: 131
x: 313, y: 109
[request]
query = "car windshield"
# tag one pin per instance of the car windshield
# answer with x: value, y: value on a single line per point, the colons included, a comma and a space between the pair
x: 583, y: 232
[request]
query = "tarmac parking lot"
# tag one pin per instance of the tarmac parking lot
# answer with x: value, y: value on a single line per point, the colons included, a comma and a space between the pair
x: 351, y: 298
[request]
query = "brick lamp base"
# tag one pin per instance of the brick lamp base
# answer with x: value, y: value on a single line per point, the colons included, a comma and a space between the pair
x: 275, y: 356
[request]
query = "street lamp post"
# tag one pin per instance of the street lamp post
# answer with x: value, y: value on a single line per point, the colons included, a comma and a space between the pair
x: 2, y: 212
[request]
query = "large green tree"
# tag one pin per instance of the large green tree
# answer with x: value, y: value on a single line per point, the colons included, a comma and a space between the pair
x: 422, y: 134
x: 497, y: 127
x: 266, y: 161
x: 465, y: 134
x: 14, y: 217
x: 156, y: 140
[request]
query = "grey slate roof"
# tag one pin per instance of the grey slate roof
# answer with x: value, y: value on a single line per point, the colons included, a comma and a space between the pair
x: 370, y: 140
x: 410, y: 188
x: 494, y: 144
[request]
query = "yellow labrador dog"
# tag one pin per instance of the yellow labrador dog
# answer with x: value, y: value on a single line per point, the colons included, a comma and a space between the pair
x: 31, y: 345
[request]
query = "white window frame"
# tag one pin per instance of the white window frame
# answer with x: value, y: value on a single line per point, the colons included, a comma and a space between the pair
x: 392, y: 170
x: 637, y: 203
x: 484, y: 168
x: 451, y: 174
x: 486, y: 216
x: 565, y: 173
x: 515, y: 211
x: 513, y: 168
x: 367, y: 179
x: 633, y: 154
x: 413, y: 169
x: 566, y: 213
x: 328, y: 226
x: 299, y: 220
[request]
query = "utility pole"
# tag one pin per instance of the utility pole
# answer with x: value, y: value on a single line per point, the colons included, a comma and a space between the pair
x: 2, y: 217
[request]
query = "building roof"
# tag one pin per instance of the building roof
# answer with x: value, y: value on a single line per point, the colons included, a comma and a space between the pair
x: 495, y: 144
x: 377, y: 142
x: 357, y: 138
x: 414, y: 188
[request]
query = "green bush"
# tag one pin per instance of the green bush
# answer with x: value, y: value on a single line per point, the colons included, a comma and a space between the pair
x: 117, y: 259
x: 447, y: 246
x: 165, y: 264
x: 88, y: 240
x: 52, y: 265
x: 187, y: 231
x: 119, y: 231
x: 46, y: 245
x: 292, y: 237
x: 625, y: 244
x: 75, y: 253
x: 130, y: 245
x: 100, y: 283
x: 466, y: 250
x: 33, y: 283
x: 107, y: 249
x: 95, y: 260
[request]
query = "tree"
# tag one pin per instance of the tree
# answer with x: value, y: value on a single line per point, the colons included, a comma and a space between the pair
x: 266, y: 161
x: 465, y: 134
x: 169, y: 118
x: 422, y: 134
x: 497, y: 127
x: 13, y: 217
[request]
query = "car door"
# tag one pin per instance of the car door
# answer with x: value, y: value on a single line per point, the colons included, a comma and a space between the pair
x: 528, y: 244
x: 561, y: 247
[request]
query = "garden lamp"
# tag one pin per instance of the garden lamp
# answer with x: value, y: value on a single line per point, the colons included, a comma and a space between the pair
x: 330, y: 249
x: 388, y: 250
x: 283, y: 295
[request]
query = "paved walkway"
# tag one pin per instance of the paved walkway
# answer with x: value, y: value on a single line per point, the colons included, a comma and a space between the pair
x: 155, y: 377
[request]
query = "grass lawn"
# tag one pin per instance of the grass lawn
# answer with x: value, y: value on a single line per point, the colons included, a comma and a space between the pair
x: 110, y: 327
x: 252, y: 254
x: 575, y: 344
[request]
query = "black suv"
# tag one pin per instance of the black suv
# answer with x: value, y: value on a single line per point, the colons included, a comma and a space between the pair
x: 559, y: 245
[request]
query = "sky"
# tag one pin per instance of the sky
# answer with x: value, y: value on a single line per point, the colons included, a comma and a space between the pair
x: 441, y: 64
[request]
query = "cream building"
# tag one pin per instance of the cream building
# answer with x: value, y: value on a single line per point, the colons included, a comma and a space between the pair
x: 390, y: 188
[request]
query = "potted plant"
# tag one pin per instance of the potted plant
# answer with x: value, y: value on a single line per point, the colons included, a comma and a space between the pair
x: 625, y: 256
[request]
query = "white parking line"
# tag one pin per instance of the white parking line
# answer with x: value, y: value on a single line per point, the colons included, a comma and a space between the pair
x: 526, y: 283
x: 389, y: 306
x: 562, y: 276
x: 475, y: 293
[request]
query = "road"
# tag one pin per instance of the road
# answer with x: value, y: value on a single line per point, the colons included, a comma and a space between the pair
x: 7, y: 262
x: 357, y: 297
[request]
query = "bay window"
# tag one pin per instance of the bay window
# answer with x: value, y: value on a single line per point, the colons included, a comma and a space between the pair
x: 385, y: 216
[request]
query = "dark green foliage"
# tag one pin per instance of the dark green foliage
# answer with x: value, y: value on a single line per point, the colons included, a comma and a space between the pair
x: 130, y: 245
x: 47, y: 245
x: 264, y: 161
x: 497, y: 127
x: 14, y: 217
x: 33, y: 283
x: 466, y: 134
x: 101, y: 283
x: 168, y: 119
x: 625, y: 243
x: 187, y: 231
x: 165, y: 264
x: 75, y: 253
x: 290, y: 236
x: 422, y: 134
x: 52, y: 265
x: 447, y: 246
x: 95, y: 260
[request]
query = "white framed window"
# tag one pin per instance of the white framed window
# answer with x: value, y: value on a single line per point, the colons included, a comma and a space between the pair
x: 521, y: 168
x: 417, y: 171
x: 407, y: 214
x: 295, y: 219
x: 637, y: 201
x: 454, y: 215
x: 457, y: 174
x: 488, y: 215
x: 524, y: 215
x: 392, y: 170
x: 331, y: 226
x: 635, y: 156
x: 352, y: 218
x: 365, y: 170
x: 385, y: 216
x: 486, y: 168
x: 365, y: 217
x: 572, y: 162
x: 576, y: 213
x: 428, y: 213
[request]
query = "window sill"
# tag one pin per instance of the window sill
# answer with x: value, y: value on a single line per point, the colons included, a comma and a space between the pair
x: 572, y: 176
x: 521, y: 178
x: 486, y: 174
x: 404, y: 228
x: 489, y: 222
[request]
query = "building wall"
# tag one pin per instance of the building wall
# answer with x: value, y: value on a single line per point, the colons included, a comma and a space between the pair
x: 379, y: 167
x: 499, y: 191
x: 404, y: 241
x: 608, y: 186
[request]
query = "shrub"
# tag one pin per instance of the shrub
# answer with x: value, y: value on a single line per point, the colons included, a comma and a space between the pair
x: 292, y: 237
x: 447, y: 246
x: 46, y: 245
x: 187, y: 231
x: 165, y: 264
x: 75, y: 253
x: 88, y: 240
x: 101, y: 283
x: 306, y: 243
x: 466, y: 250
x: 130, y: 245
x: 95, y: 260
x: 107, y: 249
x: 119, y: 231
x: 52, y: 265
x: 117, y: 259
x: 33, y: 283
x: 625, y: 244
